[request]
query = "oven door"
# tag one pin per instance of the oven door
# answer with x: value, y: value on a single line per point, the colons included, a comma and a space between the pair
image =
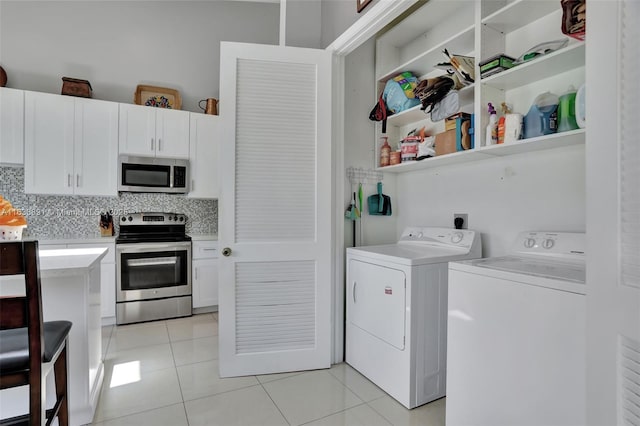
x: 153, y: 270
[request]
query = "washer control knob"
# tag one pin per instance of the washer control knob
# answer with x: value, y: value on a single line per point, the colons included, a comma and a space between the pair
x: 456, y: 237
x: 548, y: 243
x: 529, y: 243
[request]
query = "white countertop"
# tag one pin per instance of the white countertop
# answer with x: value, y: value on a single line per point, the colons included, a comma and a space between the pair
x: 69, y: 261
x: 204, y: 237
x: 78, y: 240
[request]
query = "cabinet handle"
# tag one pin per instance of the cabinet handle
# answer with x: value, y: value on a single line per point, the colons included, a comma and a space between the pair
x: 353, y: 291
x: 209, y: 249
x: 159, y: 144
x: 193, y: 186
x: 152, y: 145
x: 196, y: 273
x: 78, y: 180
x: 69, y: 180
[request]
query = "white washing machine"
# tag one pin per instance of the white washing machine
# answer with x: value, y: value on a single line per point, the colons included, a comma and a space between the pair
x: 516, y: 335
x: 397, y: 310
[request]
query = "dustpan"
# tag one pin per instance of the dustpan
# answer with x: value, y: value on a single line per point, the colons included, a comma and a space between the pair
x: 379, y: 204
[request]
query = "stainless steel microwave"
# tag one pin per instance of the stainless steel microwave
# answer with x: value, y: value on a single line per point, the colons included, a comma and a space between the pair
x: 150, y: 174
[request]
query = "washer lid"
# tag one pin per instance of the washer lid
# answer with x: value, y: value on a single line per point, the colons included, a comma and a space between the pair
x: 551, y: 269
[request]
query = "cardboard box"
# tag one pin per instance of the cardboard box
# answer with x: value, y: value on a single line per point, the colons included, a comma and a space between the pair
x: 450, y: 122
x: 452, y: 140
x: 445, y: 142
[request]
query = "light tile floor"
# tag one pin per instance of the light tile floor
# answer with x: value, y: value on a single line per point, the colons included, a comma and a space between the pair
x: 166, y: 373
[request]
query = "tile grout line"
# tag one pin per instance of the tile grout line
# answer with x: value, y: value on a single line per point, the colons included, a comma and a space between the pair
x: 274, y: 403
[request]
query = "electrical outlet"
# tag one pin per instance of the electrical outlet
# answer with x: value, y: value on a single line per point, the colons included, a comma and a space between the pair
x: 464, y: 217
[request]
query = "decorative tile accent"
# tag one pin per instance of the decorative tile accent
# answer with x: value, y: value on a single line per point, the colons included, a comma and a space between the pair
x: 54, y: 217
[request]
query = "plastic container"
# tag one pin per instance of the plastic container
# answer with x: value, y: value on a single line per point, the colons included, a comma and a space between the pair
x: 385, y: 152
x: 542, y: 116
x: 11, y: 233
x: 567, y: 111
x: 491, y: 138
x: 581, y: 115
x: 409, y: 150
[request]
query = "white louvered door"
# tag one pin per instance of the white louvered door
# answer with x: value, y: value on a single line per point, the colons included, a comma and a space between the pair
x: 613, y: 213
x: 275, y: 209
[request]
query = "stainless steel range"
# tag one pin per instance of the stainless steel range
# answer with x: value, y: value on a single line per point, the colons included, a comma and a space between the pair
x: 153, y: 264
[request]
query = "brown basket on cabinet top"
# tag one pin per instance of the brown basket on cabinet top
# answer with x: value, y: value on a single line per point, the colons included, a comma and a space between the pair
x: 76, y: 87
x: 159, y: 97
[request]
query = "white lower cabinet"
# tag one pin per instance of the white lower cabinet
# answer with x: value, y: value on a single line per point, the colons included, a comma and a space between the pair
x: 107, y: 276
x: 204, y: 277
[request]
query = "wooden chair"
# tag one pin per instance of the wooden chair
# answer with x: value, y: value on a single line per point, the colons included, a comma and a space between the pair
x: 29, y: 348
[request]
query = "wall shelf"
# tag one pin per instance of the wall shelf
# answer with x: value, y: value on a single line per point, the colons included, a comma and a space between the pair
x: 556, y: 140
x: 566, y: 59
x: 518, y: 14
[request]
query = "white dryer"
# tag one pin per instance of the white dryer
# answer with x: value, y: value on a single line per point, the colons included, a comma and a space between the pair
x: 397, y: 310
x: 516, y: 335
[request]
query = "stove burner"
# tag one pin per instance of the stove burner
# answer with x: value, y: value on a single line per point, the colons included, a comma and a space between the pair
x: 152, y: 227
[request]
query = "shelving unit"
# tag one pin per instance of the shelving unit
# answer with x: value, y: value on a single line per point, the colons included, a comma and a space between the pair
x: 481, y: 29
x: 556, y: 140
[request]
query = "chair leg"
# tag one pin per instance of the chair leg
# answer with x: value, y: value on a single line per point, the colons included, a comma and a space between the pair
x: 60, y: 372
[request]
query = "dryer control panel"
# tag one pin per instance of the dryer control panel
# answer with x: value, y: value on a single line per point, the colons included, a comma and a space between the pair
x: 438, y: 236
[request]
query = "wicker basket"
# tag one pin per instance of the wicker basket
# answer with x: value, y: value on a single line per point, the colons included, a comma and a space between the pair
x: 11, y: 233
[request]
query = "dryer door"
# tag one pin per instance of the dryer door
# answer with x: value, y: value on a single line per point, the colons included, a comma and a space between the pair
x: 376, y: 301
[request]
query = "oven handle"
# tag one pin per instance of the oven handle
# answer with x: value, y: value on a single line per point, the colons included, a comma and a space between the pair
x: 151, y: 247
x: 153, y: 262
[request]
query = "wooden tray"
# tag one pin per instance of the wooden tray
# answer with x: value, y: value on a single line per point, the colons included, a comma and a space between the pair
x: 159, y: 97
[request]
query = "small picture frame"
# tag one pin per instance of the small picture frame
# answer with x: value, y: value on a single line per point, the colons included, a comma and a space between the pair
x: 159, y: 97
x: 361, y: 4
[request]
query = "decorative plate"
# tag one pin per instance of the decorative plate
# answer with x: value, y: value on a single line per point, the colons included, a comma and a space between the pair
x: 159, y: 97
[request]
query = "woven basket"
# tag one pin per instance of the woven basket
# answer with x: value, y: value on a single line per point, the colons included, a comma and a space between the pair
x: 11, y: 233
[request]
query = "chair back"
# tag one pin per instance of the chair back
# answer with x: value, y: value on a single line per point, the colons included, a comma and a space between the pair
x: 23, y: 310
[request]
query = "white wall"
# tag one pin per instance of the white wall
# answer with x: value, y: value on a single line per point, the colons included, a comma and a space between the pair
x: 360, y: 98
x: 537, y: 191
x: 117, y: 45
x: 304, y: 28
x: 337, y: 16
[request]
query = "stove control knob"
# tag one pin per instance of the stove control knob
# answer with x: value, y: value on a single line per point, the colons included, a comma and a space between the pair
x: 175, y: 218
x: 181, y: 218
x: 548, y: 243
x: 529, y: 243
x: 170, y: 217
x: 123, y: 219
x: 456, y: 237
x: 130, y: 219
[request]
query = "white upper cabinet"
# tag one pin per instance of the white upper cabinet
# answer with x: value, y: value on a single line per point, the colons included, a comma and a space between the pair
x: 153, y: 132
x: 11, y: 126
x: 204, y: 155
x: 70, y: 145
x: 481, y: 29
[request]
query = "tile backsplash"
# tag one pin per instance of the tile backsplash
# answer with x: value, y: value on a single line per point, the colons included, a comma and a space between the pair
x: 54, y: 217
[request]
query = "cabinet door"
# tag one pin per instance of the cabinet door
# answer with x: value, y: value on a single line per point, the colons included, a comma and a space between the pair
x: 49, y: 139
x: 11, y: 126
x: 137, y: 130
x: 96, y: 147
x: 108, y: 290
x: 107, y: 277
x: 203, y: 155
x: 172, y: 133
x: 205, y: 282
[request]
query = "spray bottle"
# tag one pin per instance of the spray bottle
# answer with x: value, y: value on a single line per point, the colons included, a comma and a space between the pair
x: 491, y: 138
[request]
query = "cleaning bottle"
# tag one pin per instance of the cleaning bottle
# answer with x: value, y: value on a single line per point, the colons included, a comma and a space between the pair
x: 542, y: 118
x: 501, y: 122
x: 567, y: 111
x: 385, y: 152
x: 491, y: 138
